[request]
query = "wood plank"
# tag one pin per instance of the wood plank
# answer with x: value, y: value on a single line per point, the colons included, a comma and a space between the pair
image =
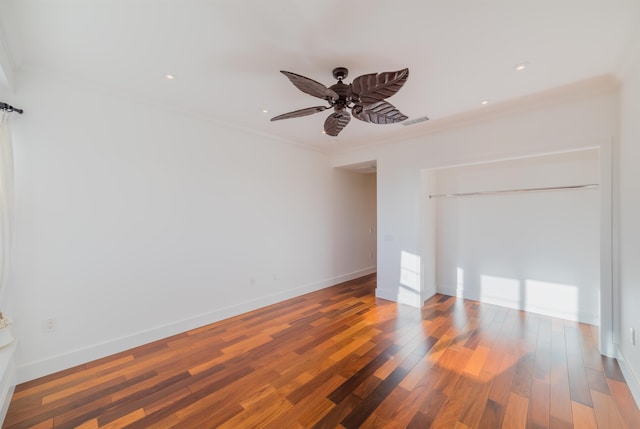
x: 606, y: 411
x: 47, y: 424
x: 475, y: 404
x: 312, y: 408
x: 393, y: 405
x: 515, y: 415
x: 477, y: 361
x: 503, y: 379
x: 578, y: 384
x: 625, y: 404
x: 583, y: 416
x: 269, y: 409
x: 560, y: 409
x: 611, y: 368
x: 125, y: 420
x: 359, y: 414
x: 597, y: 381
x: 539, y: 407
x: 338, y: 413
x: 89, y: 424
x: 555, y: 423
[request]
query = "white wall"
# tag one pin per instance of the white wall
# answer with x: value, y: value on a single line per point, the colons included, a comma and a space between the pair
x: 583, y: 116
x: 519, y: 249
x: 134, y: 222
x: 629, y: 226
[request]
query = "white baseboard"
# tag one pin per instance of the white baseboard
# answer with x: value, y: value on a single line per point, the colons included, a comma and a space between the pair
x: 7, y: 378
x: 385, y: 294
x: 410, y: 298
x: 630, y: 377
x: 581, y: 317
x: 32, y: 370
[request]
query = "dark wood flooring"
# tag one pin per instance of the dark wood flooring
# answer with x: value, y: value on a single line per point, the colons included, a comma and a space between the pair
x: 340, y: 358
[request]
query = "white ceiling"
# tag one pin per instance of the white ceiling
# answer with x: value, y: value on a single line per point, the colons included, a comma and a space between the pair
x: 226, y: 54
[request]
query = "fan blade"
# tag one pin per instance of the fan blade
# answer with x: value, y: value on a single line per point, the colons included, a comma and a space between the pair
x: 381, y: 112
x: 298, y: 113
x: 310, y: 86
x: 336, y: 122
x: 373, y: 87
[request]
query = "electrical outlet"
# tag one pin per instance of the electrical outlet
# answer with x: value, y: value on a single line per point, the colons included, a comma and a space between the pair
x: 49, y: 325
x: 370, y: 255
x: 252, y: 281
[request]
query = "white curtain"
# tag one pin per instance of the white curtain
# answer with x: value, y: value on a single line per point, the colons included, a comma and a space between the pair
x: 6, y: 199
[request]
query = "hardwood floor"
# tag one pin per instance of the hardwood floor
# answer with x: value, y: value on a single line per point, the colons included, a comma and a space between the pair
x: 342, y: 358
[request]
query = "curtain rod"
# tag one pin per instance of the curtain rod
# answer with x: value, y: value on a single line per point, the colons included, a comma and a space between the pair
x: 553, y: 188
x: 10, y: 108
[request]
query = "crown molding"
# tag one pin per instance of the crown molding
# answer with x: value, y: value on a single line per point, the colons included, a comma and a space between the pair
x: 97, y: 87
x: 563, y: 94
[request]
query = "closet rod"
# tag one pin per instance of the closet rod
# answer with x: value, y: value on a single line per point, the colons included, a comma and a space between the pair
x: 553, y: 188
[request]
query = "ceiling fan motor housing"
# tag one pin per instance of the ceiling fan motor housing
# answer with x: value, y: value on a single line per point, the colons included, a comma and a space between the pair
x: 344, y: 94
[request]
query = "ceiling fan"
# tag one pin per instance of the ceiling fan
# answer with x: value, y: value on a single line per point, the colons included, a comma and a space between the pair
x: 365, y: 97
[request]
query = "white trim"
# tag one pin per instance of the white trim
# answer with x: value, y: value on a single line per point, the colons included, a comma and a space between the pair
x: 36, y: 369
x: 94, y: 86
x: 630, y: 377
x: 562, y: 94
x: 412, y: 299
x: 608, y: 294
x: 7, y: 378
x: 385, y: 294
x: 581, y: 317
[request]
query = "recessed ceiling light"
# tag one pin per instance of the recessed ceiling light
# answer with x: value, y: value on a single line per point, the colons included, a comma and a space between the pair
x: 324, y: 132
x: 521, y: 66
x: 169, y: 76
x: 265, y: 111
x: 484, y: 102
